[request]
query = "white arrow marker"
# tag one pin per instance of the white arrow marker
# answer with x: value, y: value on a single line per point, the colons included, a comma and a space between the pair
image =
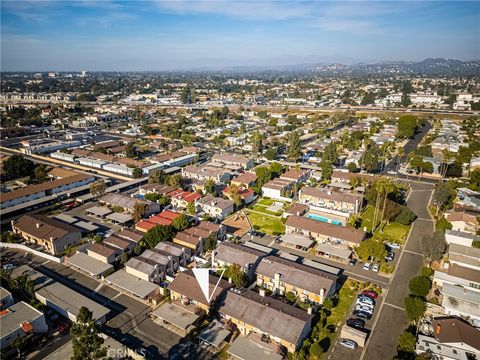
x: 203, y: 278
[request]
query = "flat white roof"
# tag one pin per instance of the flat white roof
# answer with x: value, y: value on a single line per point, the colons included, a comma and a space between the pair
x: 132, y: 284
x: 121, y: 218
x: 88, y: 264
x: 297, y: 240
x: 99, y: 210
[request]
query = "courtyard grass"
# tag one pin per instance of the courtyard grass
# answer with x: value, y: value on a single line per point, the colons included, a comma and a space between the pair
x: 367, y: 218
x: 263, y: 209
x: 396, y: 231
x: 266, y: 223
x: 265, y: 201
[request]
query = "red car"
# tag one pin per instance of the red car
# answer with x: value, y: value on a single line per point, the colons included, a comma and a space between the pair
x: 62, y: 328
x: 370, y: 293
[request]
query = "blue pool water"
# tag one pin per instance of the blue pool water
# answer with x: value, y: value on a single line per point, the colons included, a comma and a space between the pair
x: 324, y: 219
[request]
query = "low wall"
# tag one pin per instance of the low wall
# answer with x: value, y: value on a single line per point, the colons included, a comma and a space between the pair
x: 32, y: 251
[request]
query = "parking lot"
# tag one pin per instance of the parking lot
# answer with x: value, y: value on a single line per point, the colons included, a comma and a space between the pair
x: 337, y: 351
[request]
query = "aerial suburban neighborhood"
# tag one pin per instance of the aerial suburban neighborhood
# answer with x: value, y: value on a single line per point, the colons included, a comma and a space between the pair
x: 302, y: 212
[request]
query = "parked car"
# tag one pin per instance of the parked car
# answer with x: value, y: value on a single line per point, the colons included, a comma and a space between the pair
x: 366, y: 301
x: 352, y: 262
x: 8, y: 267
x: 362, y: 314
x: 349, y: 344
x: 375, y: 267
x: 394, y: 245
x: 389, y: 257
x: 370, y: 293
x: 367, y: 266
x: 365, y: 308
x: 356, y: 323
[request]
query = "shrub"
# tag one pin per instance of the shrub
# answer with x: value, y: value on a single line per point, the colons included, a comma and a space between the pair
x: 443, y: 224
x: 406, y: 216
x: 427, y: 271
x: 406, y: 343
x: 419, y: 286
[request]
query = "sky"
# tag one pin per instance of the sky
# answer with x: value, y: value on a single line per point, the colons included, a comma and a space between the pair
x: 109, y: 35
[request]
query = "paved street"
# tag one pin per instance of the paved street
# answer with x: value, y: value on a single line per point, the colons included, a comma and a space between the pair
x: 391, y: 320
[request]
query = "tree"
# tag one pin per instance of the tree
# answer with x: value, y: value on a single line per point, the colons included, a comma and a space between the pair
x: 352, y: 167
x: 210, y: 243
x: 152, y: 196
x: 87, y: 344
x: 257, y: 142
x: 98, y: 188
x: 156, y: 176
x: 415, y: 307
x: 234, y: 195
x: 433, y: 246
x: 368, y: 98
x: 138, y: 250
x: 407, y: 126
x: 354, y: 221
x: 180, y: 222
x: 41, y: 172
x: 16, y: 166
x: 131, y: 151
x: 330, y: 153
x: 271, y: 154
x: 369, y: 158
x: 406, y: 216
x: 139, y: 211
x: 157, y: 234
x: 443, y: 194
x: 124, y: 258
x: 174, y: 180
x: 454, y: 170
x: 236, y: 273
x: 293, y: 147
x: 210, y: 187
x: 263, y: 175
x: 19, y: 344
x: 371, y: 248
x: 475, y: 180
x: 137, y: 173
x: 191, y: 208
x: 276, y: 169
x: 419, y: 286
x: 406, y: 342
x: 327, y: 170
x: 443, y: 224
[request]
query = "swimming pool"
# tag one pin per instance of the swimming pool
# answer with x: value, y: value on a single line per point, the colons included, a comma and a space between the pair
x: 324, y: 219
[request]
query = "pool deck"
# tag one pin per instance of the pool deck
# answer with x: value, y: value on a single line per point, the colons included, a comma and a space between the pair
x: 329, y: 216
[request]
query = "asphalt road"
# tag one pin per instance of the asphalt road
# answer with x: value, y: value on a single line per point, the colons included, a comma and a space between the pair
x: 391, y: 321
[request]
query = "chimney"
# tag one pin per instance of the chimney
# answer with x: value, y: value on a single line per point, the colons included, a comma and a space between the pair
x: 309, y: 310
x: 262, y: 292
x: 38, y: 225
x: 438, y: 329
x: 230, y: 280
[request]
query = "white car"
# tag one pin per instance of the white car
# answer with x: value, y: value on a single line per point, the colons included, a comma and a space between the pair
x: 394, y: 245
x: 375, y: 267
x: 364, y: 304
x: 364, y: 308
x: 391, y: 172
x: 367, y: 266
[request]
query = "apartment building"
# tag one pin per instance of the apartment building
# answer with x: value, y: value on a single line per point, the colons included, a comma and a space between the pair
x: 331, y: 199
x: 284, y: 276
x: 151, y: 265
x: 228, y: 254
x: 278, y: 189
x: 128, y: 203
x: 53, y: 235
x: 234, y: 160
x: 205, y: 172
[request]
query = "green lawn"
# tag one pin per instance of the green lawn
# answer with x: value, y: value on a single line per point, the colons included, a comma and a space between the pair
x: 367, y: 218
x: 265, y: 201
x: 265, y: 223
x: 263, y: 209
x: 396, y: 231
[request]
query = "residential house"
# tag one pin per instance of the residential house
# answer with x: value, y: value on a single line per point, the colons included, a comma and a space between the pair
x: 216, y: 207
x: 128, y: 203
x: 180, y: 255
x: 452, y: 338
x: 285, y: 276
x: 463, y: 221
x: 102, y: 252
x: 53, y: 235
x: 277, y: 321
x: 234, y: 159
x: 462, y: 302
x: 180, y: 198
x: 20, y: 319
x: 279, y: 189
x: 297, y: 176
x: 185, y: 288
x: 151, y: 265
x: 205, y: 172
x: 247, y: 195
x: 228, y: 254
x: 246, y: 180
x: 464, y: 255
x: 460, y: 238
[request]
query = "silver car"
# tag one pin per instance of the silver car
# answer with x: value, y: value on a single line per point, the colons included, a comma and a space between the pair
x: 349, y: 344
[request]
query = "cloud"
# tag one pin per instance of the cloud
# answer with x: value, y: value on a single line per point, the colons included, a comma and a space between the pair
x: 246, y: 10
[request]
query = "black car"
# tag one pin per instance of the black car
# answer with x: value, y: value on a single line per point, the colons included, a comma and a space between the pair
x: 362, y: 314
x: 352, y: 262
x: 356, y: 323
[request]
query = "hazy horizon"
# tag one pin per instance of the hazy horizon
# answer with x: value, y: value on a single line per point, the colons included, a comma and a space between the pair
x: 189, y: 35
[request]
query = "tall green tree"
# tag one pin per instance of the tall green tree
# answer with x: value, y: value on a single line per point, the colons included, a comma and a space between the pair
x: 433, y: 246
x: 157, y: 234
x: 180, y: 222
x: 293, y: 147
x: 210, y: 187
x: 257, y: 142
x: 87, y: 344
x: 16, y: 166
x: 156, y: 176
x: 407, y: 126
